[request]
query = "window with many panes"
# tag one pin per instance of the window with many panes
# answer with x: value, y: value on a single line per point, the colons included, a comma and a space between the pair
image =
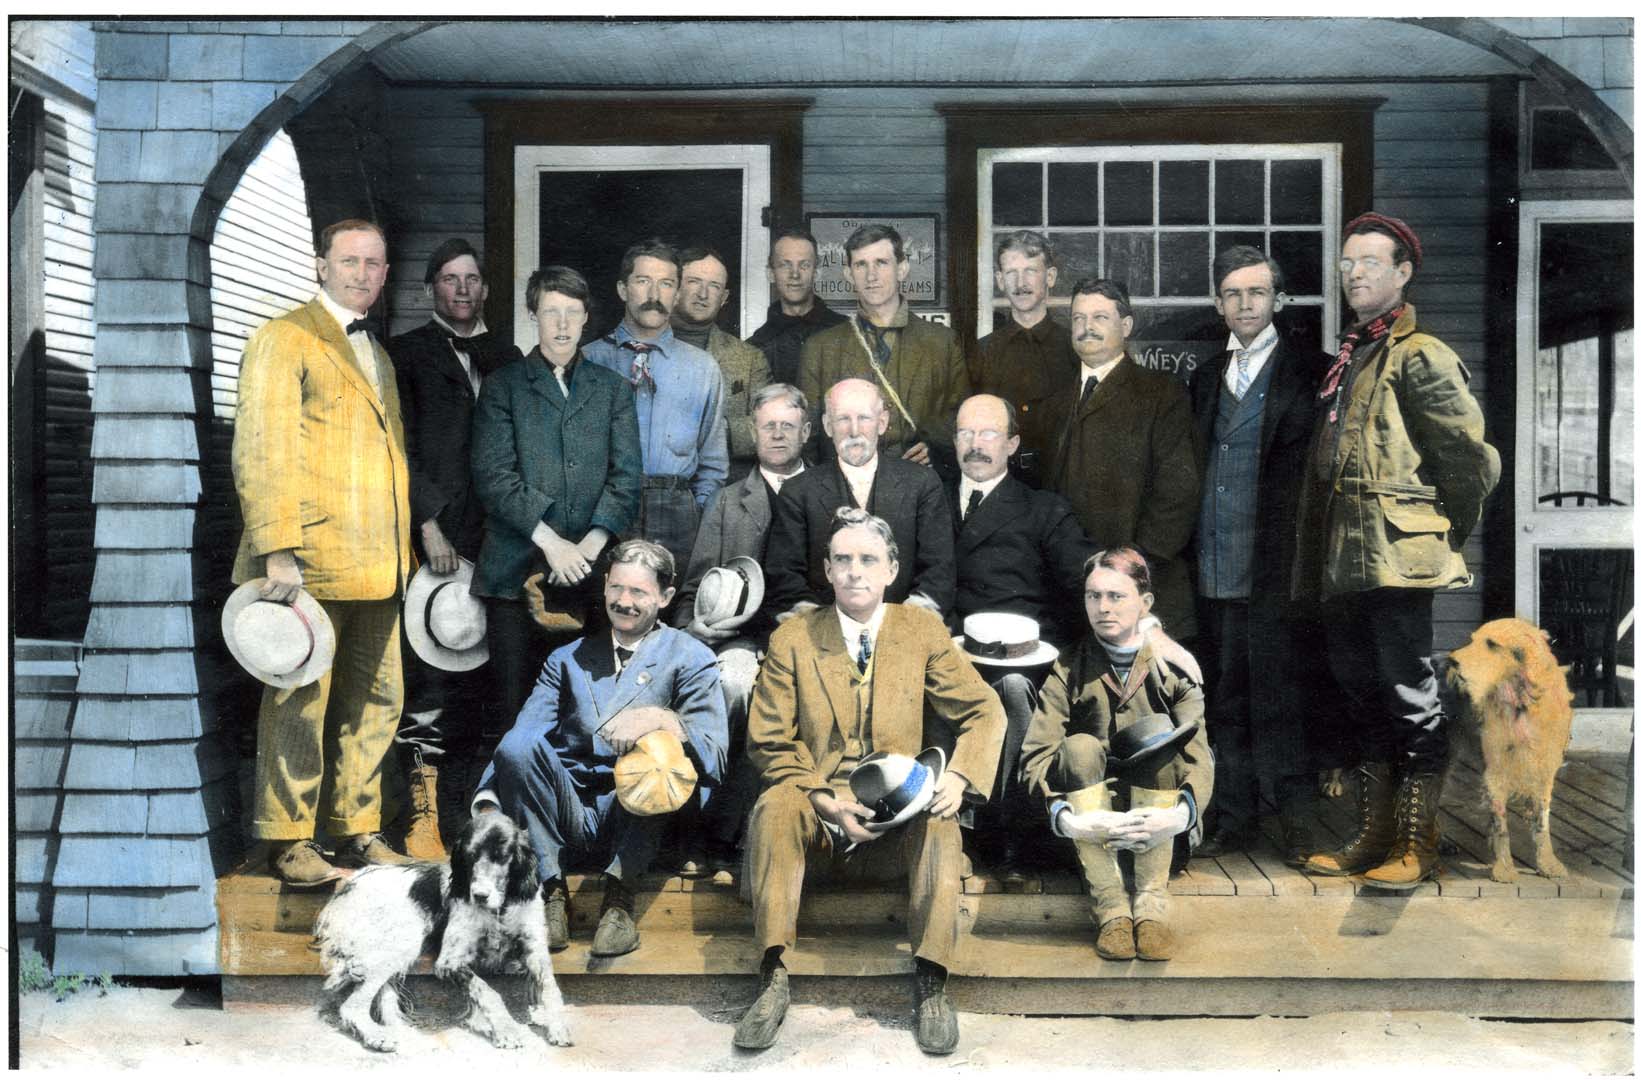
x: 1153, y: 218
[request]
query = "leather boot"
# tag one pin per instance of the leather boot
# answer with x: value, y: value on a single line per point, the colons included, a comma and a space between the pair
x: 422, y: 837
x: 617, y: 933
x: 1375, y: 827
x: 1112, y: 916
x: 1153, y: 939
x: 1413, y: 856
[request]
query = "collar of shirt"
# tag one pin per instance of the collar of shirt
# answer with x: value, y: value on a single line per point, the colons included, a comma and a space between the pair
x: 1259, y: 352
x: 662, y: 344
x: 775, y: 480
x: 615, y: 643
x: 341, y: 314
x: 966, y: 485
x: 851, y: 628
x: 859, y: 476
x: 478, y: 328
x: 898, y: 321
x: 1037, y: 331
x: 1100, y: 372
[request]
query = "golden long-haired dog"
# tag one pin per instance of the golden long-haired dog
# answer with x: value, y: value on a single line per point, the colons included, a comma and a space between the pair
x: 1511, y: 697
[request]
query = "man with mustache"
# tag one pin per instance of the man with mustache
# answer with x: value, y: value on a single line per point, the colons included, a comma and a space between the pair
x: 440, y: 366
x: 1027, y: 361
x: 1395, y: 480
x: 918, y: 365
x: 1126, y: 461
x: 701, y: 295
x: 595, y: 698
x: 906, y: 495
x: 680, y: 396
x: 796, y: 312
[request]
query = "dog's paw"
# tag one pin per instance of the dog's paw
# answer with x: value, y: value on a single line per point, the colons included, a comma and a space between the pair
x: 1551, y: 867
x: 558, y: 1033
x: 1505, y: 872
x: 387, y: 1044
x: 509, y: 1036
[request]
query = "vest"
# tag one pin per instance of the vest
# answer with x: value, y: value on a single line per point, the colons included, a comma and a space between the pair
x: 1230, y: 493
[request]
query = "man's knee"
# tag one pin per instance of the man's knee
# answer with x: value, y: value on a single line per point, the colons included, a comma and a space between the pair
x: 1079, y: 763
x: 515, y: 754
x: 783, y: 808
x: 737, y: 673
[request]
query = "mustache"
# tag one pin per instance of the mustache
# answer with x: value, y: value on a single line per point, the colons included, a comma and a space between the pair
x: 622, y: 609
x: 977, y: 455
x: 1023, y: 291
x: 1089, y: 335
x: 653, y: 305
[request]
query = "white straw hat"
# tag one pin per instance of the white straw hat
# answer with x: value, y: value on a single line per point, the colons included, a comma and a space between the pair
x: 444, y: 621
x: 283, y: 645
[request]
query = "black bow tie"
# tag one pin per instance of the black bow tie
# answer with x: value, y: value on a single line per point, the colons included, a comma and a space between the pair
x: 367, y: 324
x: 474, y: 344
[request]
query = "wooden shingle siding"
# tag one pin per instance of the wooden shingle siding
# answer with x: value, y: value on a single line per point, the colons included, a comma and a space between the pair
x: 43, y: 677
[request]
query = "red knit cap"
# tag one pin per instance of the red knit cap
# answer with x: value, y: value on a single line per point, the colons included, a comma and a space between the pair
x: 1400, y: 229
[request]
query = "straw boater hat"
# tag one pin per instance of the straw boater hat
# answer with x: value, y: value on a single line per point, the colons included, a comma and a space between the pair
x: 1148, y: 738
x: 283, y: 645
x: 894, y: 786
x: 1003, y: 640
x: 730, y: 594
x: 444, y: 621
x: 655, y: 776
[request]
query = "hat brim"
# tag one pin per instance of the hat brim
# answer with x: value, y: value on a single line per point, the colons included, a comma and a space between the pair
x: 754, y: 575
x: 422, y: 642
x: 1148, y: 755
x: 933, y: 759
x: 1043, y: 654
x: 324, y: 636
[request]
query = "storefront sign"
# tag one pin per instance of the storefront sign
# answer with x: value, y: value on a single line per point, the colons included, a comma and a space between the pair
x: 920, y: 234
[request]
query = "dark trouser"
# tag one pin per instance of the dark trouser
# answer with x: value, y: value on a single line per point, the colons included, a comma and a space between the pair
x: 1229, y: 708
x: 1379, y: 645
x: 562, y: 819
x: 518, y: 650
x: 727, y: 808
x: 446, y: 711
x: 668, y: 515
x: 1009, y: 808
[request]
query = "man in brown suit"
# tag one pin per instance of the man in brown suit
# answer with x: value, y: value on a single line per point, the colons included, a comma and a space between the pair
x: 1126, y: 460
x: 839, y: 683
x: 319, y: 465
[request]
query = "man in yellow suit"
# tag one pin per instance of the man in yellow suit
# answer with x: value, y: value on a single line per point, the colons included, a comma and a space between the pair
x: 319, y: 465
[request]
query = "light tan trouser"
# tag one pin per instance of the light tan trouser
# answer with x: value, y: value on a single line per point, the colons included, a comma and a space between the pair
x: 787, y: 841
x: 1079, y: 770
x: 327, y: 739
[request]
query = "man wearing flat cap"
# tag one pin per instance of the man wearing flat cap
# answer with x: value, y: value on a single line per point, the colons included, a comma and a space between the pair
x: 735, y: 533
x: 841, y: 683
x: 440, y: 366
x: 1394, y: 483
x: 595, y: 699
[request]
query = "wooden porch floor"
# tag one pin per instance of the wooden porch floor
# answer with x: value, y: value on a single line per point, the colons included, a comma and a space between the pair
x: 1256, y: 936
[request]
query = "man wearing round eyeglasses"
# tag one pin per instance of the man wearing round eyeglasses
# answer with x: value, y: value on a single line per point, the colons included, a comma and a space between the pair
x: 1394, y: 483
x: 736, y: 525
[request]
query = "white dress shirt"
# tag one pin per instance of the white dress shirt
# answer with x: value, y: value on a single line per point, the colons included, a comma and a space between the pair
x: 1257, y: 353
x: 852, y: 629
x: 775, y: 480
x: 860, y: 479
x: 475, y: 378
x: 364, y: 354
x: 1099, y: 373
x: 965, y: 486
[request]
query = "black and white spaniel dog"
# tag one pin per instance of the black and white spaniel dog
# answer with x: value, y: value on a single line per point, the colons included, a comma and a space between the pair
x: 482, y: 911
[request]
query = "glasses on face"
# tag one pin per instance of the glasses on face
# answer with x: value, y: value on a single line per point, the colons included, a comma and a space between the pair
x: 1370, y: 264
x: 985, y: 435
x: 782, y: 427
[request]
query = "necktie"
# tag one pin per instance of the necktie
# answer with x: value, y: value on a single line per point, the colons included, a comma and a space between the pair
x: 1088, y: 390
x: 623, y: 656
x: 974, y: 501
x: 640, y: 364
x: 1242, y: 379
x: 865, y: 656
x: 367, y: 324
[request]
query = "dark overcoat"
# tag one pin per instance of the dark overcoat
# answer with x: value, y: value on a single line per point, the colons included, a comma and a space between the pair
x: 1127, y: 464
x: 572, y: 463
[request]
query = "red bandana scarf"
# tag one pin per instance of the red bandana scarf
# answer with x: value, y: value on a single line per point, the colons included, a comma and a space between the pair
x: 1356, y: 335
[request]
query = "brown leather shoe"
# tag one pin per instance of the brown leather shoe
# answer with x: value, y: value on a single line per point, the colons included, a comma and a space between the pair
x: 422, y: 839
x: 762, y: 1023
x: 1153, y: 940
x: 934, y: 1017
x: 1116, y: 940
x: 617, y: 933
x: 1415, y: 854
x: 368, y: 849
x: 557, y: 901
x: 1375, y: 826
x: 302, y: 864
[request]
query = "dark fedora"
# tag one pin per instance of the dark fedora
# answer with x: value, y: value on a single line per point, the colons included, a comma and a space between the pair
x: 1145, y: 740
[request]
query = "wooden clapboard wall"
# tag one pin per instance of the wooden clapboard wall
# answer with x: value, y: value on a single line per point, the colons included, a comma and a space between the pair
x: 883, y: 149
x: 55, y: 61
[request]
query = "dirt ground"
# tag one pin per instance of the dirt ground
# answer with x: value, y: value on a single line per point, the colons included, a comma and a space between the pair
x: 172, y: 1028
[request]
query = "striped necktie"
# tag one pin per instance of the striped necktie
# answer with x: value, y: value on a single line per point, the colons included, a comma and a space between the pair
x: 1242, y: 379
x: 865, y: 656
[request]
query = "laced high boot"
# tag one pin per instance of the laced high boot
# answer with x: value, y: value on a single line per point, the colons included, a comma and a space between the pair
x: 1375, y: 827
x: 1112, y: 916
x: 422, y: 836
x: 1153, y: 939
x: 1413, y: 856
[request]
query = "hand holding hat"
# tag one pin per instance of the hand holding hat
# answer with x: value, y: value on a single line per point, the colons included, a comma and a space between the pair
x: 282, y: 644
x: 444, y: 621
x: 655, y: 776
x: 628, y: 726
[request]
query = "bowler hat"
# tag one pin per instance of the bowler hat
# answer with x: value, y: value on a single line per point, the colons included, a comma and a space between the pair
x: 444, y: 621
x: 283, y: 645
x: 894, y: 786
x: 730, y: 594
x: 1145, y: 740
x: 655, y: 776
x: 1004, y: 640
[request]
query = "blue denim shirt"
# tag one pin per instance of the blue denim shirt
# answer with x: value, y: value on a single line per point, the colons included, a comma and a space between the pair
x: 681, y: 423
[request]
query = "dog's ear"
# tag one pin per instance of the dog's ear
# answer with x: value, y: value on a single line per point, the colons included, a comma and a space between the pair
x: 522, y: 885
x: 461, y: 864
